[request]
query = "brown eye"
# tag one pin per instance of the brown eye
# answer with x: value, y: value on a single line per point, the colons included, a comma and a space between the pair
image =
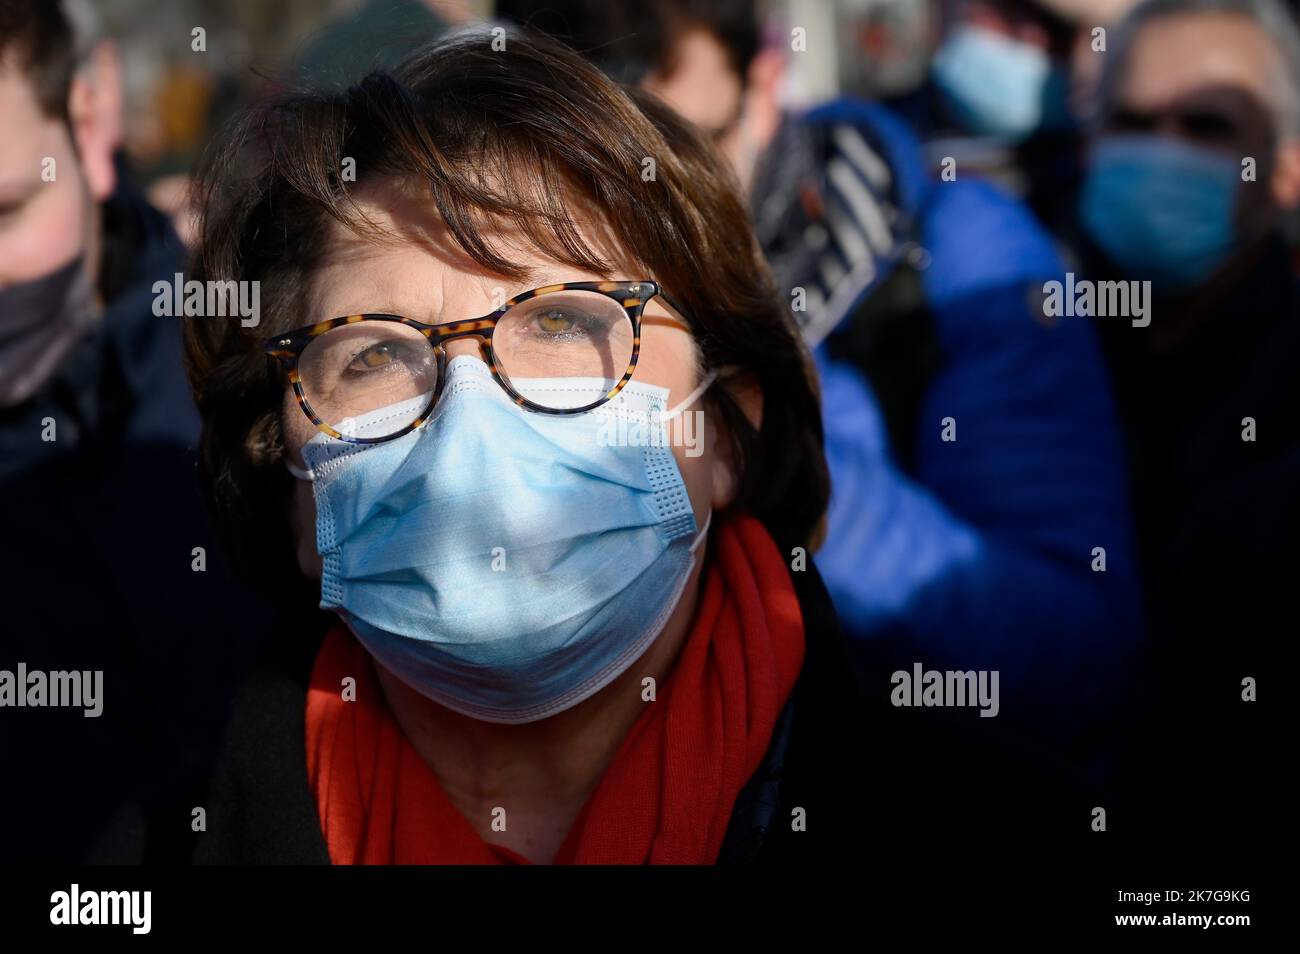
x: 379, y: 355
x: 555, y: 322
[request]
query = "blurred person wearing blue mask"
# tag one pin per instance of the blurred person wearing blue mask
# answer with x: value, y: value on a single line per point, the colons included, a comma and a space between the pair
x: 999, y: 100
x: 1001, y: 71
x: 1195, y: 163
x: 101, y: 514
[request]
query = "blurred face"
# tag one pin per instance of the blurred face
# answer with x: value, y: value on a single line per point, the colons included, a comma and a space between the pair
x: 740, y: 114
x: 49, y: 187
x: 419, y: 274
x: 1213, y: 81
x: 1016, y: 24
x: 704, y: 88
x: 1023, y: 22
x: 1001, y: 70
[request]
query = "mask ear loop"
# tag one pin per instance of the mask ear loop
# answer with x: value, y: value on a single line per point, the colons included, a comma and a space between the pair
x: 674, y: 411
x: 301, y: 473
x: 702, y: 535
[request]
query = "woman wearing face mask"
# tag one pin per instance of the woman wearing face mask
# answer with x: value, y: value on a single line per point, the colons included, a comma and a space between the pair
x: 525, y: 415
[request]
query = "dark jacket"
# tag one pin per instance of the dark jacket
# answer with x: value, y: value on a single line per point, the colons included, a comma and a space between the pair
x: 260, y: 808
x: 1214, y: 438
x: 100, y: 528
x: 872, y: 778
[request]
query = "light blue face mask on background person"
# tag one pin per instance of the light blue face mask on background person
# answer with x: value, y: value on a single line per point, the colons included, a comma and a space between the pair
x: 504, y: 563
x: 1161, y: 209
x: 997, y: 86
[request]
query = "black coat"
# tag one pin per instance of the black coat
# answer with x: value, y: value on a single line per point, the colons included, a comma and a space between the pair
x: 935, y: 812
x: 260, y: 808
x: 873, y: 779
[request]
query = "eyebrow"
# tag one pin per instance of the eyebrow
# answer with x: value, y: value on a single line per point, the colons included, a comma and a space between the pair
x: 534, y: 278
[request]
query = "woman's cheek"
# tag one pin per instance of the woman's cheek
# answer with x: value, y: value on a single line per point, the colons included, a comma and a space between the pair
x: 691, y: 441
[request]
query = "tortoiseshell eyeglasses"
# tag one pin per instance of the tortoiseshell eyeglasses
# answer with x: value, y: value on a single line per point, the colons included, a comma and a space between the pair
x: 373, y: 377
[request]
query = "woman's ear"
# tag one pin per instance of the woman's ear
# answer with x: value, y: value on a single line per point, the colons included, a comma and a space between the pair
x: 747, y: 395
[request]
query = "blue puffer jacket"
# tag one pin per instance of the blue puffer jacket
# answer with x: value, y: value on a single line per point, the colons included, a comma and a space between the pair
x: 981, y: 555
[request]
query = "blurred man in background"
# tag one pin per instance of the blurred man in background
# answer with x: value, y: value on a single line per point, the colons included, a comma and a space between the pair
x: 975, y: 457
x: 106, y: 562
x: 1196, y: 162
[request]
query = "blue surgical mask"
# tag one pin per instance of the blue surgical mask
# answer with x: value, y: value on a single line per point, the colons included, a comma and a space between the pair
x: 997, y: 86
x: 504, y: 563
x: 1162, y: 210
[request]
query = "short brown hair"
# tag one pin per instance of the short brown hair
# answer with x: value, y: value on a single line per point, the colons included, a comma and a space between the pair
x: 37, y: 38
x: 494, y: 136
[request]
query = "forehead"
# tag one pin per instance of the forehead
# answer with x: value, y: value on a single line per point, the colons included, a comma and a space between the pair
x: 1177, y: 56
x: 408, y: 261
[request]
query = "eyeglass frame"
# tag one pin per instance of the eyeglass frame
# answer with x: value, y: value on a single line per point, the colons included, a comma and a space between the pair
x: 287, y: 348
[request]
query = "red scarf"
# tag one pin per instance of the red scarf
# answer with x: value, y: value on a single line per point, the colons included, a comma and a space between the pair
x: 667, y: 795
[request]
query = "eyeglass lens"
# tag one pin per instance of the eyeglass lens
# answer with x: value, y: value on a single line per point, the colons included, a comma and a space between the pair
x: 561, y: 351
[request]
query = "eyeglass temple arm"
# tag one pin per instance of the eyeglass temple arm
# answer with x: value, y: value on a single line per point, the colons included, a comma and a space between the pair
x: 671, y: 321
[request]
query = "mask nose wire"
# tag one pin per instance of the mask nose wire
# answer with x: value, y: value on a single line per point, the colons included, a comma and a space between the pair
x: 307, y: 474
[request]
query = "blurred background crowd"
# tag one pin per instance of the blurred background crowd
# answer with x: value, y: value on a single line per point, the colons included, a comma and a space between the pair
x: 1119, y: 539
x: 1020, y: 124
